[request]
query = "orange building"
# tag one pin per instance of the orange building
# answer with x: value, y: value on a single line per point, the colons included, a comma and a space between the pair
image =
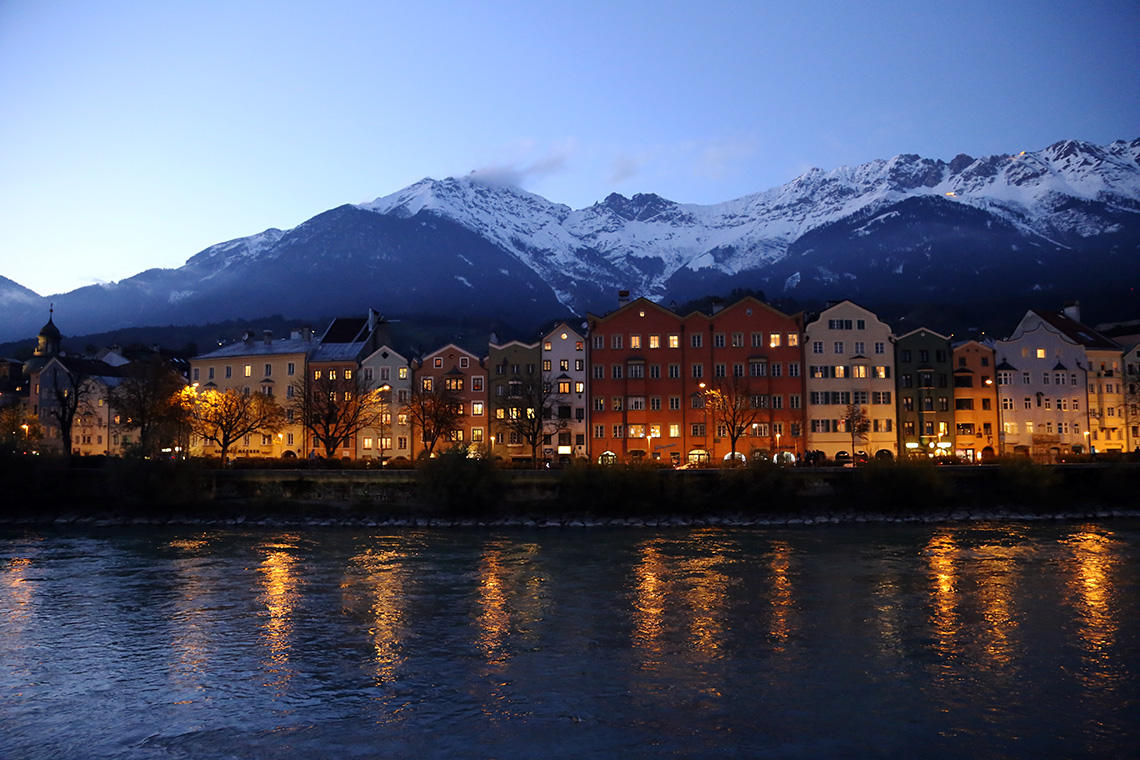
x: 976, y: 422
x: 660, y: 383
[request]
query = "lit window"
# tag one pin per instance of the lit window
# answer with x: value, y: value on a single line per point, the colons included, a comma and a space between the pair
x: 774, y: 340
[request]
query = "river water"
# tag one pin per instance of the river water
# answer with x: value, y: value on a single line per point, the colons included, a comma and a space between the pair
x: 996, y: 640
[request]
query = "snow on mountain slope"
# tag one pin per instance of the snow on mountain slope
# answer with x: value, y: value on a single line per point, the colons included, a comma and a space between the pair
x: 650, y: 238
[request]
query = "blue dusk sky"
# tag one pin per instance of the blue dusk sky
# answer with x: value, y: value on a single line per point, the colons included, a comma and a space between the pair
x: 134, y: 134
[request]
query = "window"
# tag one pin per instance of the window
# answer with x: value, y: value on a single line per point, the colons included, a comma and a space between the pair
x: 599, y: 431
x: 615, y: 372
x: 599, y: 344
x: 637, y: 403
x: 229, y: 372
x: 697, y: 429
x: 453, y: 383
x: 426, y: 384
x: 738, y: 340
x: 655, y: 341
x: 268, y: 370
x: 817, y: 347
x: 695, y: 340
x: 718, y: 340
x: 698, y: 370
x: 477, y: 408
x: 317, y: 374
x: 838, y: 347
x: 674, y: 403
x: 774, y: 340
x: 860, y: 347
x: 249, y: 370
x: 674, y: 341
x: 636, y: 371
x: 674, y: 371
x: 599, y: 404
x: 793, y: 339
x: 674, y: 431
x: 196, y: 374
x: 1040, y: 353
x: 793, y: 369
x: 635, y: 341
x: 209, y: 373
x: 615, y: 341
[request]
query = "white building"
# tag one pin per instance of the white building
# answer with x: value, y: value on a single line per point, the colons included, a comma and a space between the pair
x: 851, y: 362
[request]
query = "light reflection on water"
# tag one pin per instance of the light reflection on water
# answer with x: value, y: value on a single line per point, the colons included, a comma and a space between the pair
x: 945, y: 641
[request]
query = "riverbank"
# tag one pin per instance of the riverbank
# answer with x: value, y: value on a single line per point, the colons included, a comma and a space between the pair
x: 473, y: 493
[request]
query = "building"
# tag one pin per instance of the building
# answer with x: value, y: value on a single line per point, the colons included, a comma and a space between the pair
x: 925, y: 403
x: 1042, y: 397
x: 850, y: 361
x: 976, y: 418
x: 388, y: 371
x: 460, y: 374
x: 259, y: 365
x: 689, y: 389
x: 564, y: 359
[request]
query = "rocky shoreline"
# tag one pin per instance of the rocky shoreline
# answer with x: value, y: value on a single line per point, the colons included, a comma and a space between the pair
x: 571, y: 521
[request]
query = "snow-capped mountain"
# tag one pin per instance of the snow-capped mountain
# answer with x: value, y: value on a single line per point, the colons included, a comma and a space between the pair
x: 1050, y: 225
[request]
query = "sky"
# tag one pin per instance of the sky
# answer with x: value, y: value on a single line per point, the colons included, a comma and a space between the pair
x: 135, y: 133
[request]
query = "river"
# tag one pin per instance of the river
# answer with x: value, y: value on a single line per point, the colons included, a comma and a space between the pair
x: 997, y: 640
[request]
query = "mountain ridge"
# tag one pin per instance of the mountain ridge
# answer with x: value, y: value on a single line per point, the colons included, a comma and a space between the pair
x: 876, y: 231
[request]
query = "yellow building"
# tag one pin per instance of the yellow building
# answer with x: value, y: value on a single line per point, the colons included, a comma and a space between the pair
x: 976, y: 420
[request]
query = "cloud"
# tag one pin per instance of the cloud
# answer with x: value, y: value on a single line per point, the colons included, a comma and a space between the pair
x: 527, y: 162
x: 721, y: 158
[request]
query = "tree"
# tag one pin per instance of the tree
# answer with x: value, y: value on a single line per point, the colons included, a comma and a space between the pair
x: 335, y: 407
x: 530, y: 411
x: 18, y: 428
x: 69, y: 387
x: 435, y: 412
x: 858, y: 424
x: 225, y: 417
x: 146, y: 399
x: 732, y: 404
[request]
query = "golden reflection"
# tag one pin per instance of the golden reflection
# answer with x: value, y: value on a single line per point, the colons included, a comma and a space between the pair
x: 942, y: 554
x: 971, y: 596
x: 384, y: 578
x: 707, y: 597
x: 781, y: 595
x: 17, y: 591
x: 649, y: 603
x: 1090, y: 588
x: 279, y: 594
x: 692, y: 589
x: 510, y: 596
x: 189, y: 638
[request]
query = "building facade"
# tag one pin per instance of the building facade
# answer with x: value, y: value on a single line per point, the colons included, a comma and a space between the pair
x: 850, y: 363
x: 926, y: 405
x: 653, y: 374
x: 976, y: 419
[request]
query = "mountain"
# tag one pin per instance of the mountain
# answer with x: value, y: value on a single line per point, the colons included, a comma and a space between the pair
x: 898, y: 235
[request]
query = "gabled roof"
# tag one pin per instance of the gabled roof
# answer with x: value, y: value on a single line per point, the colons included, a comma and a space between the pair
x: 1077, y: 332
x: 346, y: 330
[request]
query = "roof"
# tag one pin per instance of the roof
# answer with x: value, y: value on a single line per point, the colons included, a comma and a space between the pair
x: 1076, y: 331
x: 258, y: 347
x: 346, y: 330
x: 337, y: 352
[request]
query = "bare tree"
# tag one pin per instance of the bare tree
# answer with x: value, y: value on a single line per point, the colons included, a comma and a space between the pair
x: 146, y: 400
x: 733, y: 405
x: 335, y: 407
x: 436, y: 413
x: 69, y: 387
x: 858, y: 424
x: 18, y: 428
x: 530, y: 411
x: 225, y: 417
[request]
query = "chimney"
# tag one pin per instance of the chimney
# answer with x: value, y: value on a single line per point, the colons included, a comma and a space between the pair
x: 717, y: 305
x: 623, y: 298
x: 267, y: 335
x: 1072, y: 310
x: 306, y: 333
